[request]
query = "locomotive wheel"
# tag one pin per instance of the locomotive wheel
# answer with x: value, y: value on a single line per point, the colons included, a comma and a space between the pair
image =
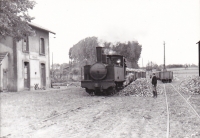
x: 97, y: 92
x: 111, y: 91
x: 89, y: 91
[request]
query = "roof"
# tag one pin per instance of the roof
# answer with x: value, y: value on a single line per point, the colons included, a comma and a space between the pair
x: 2, y: 55
x: 40, y: 27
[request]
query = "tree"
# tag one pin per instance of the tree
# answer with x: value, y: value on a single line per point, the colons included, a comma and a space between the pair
x: 14, y: 18
x: 175, y: 66
x: 84, y: 50
x: 64, y: 69
x: 151, y: 65
x: 130, y: 50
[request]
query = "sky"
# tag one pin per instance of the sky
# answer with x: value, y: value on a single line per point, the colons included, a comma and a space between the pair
x: 150, y: 22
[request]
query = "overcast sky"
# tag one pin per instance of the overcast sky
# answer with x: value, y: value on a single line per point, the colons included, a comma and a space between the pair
x: 150, y: 22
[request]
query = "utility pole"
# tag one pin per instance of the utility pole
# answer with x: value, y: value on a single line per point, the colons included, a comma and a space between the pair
x: 52, y: 60
x: 199, y: 55
x: 164, y: 57
x: 142, y: 62
x: 52, y: 69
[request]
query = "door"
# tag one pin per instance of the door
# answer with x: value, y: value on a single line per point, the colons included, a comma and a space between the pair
x: 26, y: 75
x: 43, y: 75
x: 5, y: 80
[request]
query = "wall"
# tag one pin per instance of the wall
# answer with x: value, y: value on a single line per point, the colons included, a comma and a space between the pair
x: 35, y: 59
x: 7, y: 45
x: 4, y: 66
x: 17, y: 57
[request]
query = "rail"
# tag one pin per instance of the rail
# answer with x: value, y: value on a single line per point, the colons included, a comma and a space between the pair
x: 168, y: 123
x: 187, y: 102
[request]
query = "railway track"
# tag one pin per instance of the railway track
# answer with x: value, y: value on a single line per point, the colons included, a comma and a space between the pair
x: 187, y: 102
x: 178, y: 109
x: 168, y: 125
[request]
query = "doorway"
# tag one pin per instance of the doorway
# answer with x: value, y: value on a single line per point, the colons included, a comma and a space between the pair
x: 5, y: 78
x: 43, y: 75
x: 26, y: 75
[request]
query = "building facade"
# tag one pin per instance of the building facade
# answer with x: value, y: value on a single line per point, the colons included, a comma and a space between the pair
x: 26, y: 63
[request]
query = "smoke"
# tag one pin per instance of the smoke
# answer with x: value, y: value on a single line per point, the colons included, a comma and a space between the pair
x: 114, y: 35
x: 109, y: 52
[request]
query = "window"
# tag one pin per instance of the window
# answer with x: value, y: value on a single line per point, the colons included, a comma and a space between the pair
x: 117, y: 61
x: 42, y: 46
x: 25, y: 46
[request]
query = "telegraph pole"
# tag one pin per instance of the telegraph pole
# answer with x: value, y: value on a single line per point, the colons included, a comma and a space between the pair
x: 199, y: 55
x: 164, y: 57
x: 52, y: 60
x: 142, y: 62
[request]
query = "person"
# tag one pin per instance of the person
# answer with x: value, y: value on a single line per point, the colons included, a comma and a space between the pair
x: 154, y: 83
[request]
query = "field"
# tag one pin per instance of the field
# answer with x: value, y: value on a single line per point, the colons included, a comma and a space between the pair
x: 182, y: 73
x: 69, y: 112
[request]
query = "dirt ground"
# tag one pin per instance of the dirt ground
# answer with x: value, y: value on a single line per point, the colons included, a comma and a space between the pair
x: 72, y: 113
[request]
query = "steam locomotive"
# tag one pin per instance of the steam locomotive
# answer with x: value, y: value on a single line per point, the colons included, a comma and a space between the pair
x: 107, y: 75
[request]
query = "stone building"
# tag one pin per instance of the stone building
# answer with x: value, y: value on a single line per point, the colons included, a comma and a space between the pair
x: 25, y: 63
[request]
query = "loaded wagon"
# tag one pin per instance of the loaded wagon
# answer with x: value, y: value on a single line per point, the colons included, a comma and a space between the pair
x: 166, y: 76
x: 143, y: 74
x: 157, y: 75
x: 138, y: 74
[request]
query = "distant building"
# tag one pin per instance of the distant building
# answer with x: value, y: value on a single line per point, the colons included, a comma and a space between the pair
x: 25, y: 63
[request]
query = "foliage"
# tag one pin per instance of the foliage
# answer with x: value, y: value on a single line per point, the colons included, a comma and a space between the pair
x: 64, y: 68
x: 75, y: 71
x: 14, y: 18
x: 56, y: 66
x: 151, y: 65
x: 130, y: 50
x: 84, y: 52
x: 193, y: 65
x: 57, y: 74
x: 64, y: 72
x: 175, y: 66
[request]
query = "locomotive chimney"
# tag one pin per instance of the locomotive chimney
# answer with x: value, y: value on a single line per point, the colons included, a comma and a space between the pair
x: 99, y: 54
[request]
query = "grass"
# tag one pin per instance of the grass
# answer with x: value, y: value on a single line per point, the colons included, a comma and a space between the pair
x: 183, y: 73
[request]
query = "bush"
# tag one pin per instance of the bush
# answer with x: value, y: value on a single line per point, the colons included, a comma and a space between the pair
x: 75, y: 71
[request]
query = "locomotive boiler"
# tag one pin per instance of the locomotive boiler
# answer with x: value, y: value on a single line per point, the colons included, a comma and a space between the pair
x: 106, y: 75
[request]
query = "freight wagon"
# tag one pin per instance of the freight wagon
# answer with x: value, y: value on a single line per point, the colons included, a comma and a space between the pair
x: 164, y: 76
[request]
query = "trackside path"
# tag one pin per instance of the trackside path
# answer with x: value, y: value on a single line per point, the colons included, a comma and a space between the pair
x: 195, y: 112
x: 167, y: 134
x: 183, y: 121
